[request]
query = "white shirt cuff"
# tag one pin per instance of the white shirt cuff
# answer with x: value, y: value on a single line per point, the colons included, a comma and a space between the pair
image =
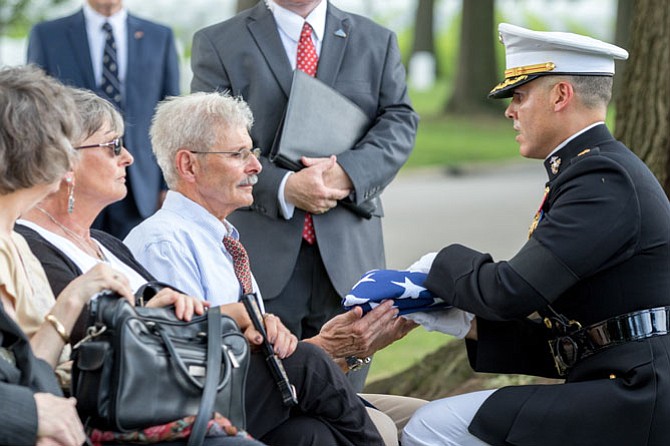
x: 286, y: 208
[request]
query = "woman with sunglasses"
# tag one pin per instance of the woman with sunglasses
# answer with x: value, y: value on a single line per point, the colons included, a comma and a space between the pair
x: 58, y: 228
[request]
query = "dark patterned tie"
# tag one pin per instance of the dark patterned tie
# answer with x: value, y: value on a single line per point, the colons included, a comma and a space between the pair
x: 240, y: 263
x: 306, y: 61
x: 110, y: 84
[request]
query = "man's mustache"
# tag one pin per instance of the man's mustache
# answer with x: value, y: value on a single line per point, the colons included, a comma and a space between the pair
x: 250, y: 180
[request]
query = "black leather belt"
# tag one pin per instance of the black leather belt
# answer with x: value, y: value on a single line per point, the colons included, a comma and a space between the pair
x: 572, y: 346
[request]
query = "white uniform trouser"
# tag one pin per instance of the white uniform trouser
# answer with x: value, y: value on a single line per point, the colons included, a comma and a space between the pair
x: 445, y: 422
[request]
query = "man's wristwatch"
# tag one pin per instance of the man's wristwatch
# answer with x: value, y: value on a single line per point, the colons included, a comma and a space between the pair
x: 354, y: 362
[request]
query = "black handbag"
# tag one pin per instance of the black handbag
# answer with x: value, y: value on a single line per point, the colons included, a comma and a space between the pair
x: 141, y: 367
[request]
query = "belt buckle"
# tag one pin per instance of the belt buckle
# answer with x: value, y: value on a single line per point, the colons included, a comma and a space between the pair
x: 564, y: 348
x: 565, y: 351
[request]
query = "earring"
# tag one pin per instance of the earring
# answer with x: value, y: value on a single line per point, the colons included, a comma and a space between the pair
x: 69, y: 179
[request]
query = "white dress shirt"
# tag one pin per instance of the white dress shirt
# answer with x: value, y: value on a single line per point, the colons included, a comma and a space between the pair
x: 96, y: 40
x: 289, y: 26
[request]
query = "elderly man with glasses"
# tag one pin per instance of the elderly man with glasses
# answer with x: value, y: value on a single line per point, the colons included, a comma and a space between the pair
x: 202, y: 144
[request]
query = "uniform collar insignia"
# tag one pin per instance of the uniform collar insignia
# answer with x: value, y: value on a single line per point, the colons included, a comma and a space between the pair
x: 555, y: 163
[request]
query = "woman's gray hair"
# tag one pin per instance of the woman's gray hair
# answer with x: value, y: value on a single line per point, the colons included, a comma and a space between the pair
x: 36, y: 126
x: 94, y: 113
x: 194, y: 122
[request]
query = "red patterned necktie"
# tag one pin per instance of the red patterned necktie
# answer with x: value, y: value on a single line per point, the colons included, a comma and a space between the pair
x: 240, y: 263
x: 307, y: 61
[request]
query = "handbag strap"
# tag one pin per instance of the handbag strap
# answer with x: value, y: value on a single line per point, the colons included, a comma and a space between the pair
x: 211, y: 377
x: 181, y: 365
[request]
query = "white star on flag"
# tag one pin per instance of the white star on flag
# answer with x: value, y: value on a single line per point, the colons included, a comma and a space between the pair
x: 411, y: 289
x: 366, y: 278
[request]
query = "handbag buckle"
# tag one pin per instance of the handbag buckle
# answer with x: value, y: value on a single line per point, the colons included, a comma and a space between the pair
x: 91, y: 332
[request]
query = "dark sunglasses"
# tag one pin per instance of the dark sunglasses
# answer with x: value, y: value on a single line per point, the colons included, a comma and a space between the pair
x: 116, y: 145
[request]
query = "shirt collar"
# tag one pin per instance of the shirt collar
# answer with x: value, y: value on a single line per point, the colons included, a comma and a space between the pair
x: 182, y: 205
x: 565, y: 143
x: 96, y: 20
x: 291, y: 23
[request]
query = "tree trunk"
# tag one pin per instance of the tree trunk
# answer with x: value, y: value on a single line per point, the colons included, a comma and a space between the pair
x: 245, y: 4
x: 624, y: 17
x: 643, y: 110
x: 476, y: 73
x: 423, y: 27
x: 423, y: 59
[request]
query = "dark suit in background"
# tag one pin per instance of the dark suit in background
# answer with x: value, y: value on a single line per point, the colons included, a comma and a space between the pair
x: 361, y: 60
x: 61, y: 48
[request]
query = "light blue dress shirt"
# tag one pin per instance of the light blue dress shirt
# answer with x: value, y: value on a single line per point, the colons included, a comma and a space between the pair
x: 182, y: 244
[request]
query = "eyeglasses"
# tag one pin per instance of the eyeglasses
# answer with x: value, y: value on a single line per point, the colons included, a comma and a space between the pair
x: 116, y: 145
x: 240, y: 155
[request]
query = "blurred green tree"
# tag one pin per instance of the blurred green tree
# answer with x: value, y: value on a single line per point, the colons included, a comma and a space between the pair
x: 476, y: 70
x: 424, y: 39
x: 624, y: 18
x: 13, y: 14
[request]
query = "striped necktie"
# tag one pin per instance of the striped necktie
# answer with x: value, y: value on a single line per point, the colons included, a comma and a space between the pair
x: 306, y: 61
x: 110, y: 84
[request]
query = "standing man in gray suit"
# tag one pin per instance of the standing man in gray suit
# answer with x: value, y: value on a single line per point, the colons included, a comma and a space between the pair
x: 145, y: 70
x: 253, y: 55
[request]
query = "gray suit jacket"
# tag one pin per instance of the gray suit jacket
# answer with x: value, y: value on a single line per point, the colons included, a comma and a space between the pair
x: 361, y: 60
x: 60, y: 47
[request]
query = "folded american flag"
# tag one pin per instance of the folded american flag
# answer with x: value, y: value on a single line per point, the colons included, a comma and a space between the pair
x: 405, y: 288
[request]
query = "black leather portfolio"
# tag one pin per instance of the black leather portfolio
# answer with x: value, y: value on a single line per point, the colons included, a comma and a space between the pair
x: 318, y: 122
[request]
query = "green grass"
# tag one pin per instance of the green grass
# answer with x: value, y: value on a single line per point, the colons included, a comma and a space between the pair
x: 456, y: 139
x: 405, y: 352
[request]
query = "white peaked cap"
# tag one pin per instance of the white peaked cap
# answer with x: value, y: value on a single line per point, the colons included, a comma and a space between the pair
x: 530, y: 54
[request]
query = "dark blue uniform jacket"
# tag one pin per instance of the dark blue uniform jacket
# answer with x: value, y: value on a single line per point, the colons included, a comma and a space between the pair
x: 601, y: 249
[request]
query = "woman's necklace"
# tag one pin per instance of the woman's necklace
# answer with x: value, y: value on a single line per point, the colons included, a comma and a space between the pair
x: 88, y: 247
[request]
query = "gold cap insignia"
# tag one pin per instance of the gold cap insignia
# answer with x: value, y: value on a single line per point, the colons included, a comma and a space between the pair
x: 530, y: 69
x: 509, y: 81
